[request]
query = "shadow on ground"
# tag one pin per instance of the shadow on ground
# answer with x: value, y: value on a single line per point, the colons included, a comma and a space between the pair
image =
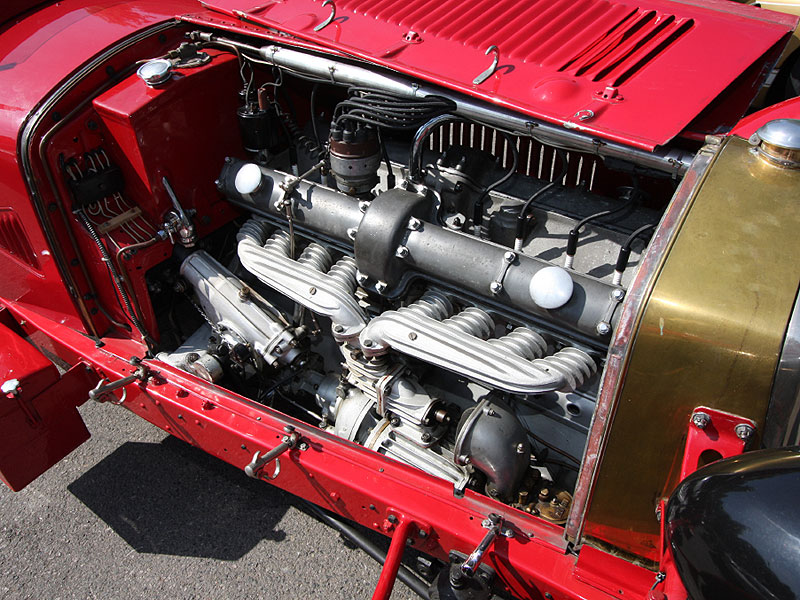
x: 171, y: 498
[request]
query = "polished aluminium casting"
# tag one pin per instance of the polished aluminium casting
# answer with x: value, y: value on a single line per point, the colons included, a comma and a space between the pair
x: 311, y: 280
x: 427, y: 331
x: 238, y: 315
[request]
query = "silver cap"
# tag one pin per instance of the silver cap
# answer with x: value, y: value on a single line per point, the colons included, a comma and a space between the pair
x: 155, y: 72
x: 782, y: 133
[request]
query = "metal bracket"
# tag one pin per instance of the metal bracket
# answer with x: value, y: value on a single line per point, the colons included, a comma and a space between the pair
x: 330, y: 18
x: 496, y: 286
x: 492, y: 68
x: 717, y: 432
x: 255, y: 467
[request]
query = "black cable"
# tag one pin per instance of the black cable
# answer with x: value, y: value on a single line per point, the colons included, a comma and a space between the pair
x: 520, y: 234
x: 384, y: 110
x: 574, y: 234
x: 477, y: 211
x: 404, y: 574
x: 625, y: 252
x: 417, y: 146
x: 390, y: 179
x: 312, y: 103
x: 130, y: 313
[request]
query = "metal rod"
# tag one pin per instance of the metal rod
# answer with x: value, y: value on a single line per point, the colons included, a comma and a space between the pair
x: 404, y: 574
x: 390, y: 568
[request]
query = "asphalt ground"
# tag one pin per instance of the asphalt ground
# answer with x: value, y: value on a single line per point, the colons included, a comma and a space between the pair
x: 136, y: 513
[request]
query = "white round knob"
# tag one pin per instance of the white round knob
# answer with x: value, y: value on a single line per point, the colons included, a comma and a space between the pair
x: 248, y: 179
x: 551, y: 287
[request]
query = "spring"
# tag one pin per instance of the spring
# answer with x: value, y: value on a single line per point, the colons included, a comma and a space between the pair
x: 278, y: 243
x: 301, y: 141
x: 575, y: 365
x: 432, y: 304
x: 343, y: 274
x: 254, y: 230
x: 522, y: 342
x: 316, y: 257
x: 473, y: 321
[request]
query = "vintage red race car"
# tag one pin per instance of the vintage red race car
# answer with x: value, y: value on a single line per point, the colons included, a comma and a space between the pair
x: 513, y: 283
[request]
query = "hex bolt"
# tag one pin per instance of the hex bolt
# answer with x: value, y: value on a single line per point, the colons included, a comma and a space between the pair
x: 392, y: 518
x: 351, y: 233
x: 401, y: 252
x: 509, y: 257
x: 426, y: 437
x: 520, y: 448
x: 701, y: 420
x: 367, y: 343
x: 381, y: 287
x: 244, y: 293
x: 363, y: 206
x: 744, y: 431
x: 338, y: 329
x: 361, y: 277
x: 414, y: 223
x: 603, y: 328
x: 495, y: 287
x: 618, y: 294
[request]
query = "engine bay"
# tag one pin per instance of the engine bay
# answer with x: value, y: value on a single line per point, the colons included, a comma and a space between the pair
x: 409, y: 271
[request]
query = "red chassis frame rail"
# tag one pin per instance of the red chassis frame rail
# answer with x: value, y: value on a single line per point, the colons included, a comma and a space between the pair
x: 347, y: 479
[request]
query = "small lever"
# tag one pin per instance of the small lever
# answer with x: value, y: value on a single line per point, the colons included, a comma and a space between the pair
x: 179, y: 220
x: 104, y: 387
x: 255, y: 466
x: 494, y: 523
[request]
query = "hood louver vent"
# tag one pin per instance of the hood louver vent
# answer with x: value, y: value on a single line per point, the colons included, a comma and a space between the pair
x: 13, y: 239
x: 621, y: 39
x: 627, y: 47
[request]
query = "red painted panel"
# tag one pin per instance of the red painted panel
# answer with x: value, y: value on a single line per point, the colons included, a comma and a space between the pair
x: 350, y: 480
x: 557, y: 58
x: 39, y: 424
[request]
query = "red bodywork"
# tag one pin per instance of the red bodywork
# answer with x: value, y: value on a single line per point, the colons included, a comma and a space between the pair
x: 42, y: 52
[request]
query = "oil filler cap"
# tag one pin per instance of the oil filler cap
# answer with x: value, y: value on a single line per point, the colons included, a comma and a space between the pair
x: 248, y: 179
x: 551, y: 287
x: 155, y: 72
x: 778, y: 142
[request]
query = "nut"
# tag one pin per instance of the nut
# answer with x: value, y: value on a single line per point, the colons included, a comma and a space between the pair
x: 603, y: 328
x: 401, y: 252
x: 701, y: 420
x: 414, y: 223
x: 744, y: 431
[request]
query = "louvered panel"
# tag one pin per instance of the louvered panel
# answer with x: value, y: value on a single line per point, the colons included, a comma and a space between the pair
x: 546, y: 52
x: 506, y: 11
x: 557, y: 56
x: 538, y: 32
x: 653, y: 48
x: 611, y: 18
x: 623, y: 44
x: 647, y: 30
x: 14, y: 240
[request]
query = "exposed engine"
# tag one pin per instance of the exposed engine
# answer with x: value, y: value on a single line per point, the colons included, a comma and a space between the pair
x: 411, y: 271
